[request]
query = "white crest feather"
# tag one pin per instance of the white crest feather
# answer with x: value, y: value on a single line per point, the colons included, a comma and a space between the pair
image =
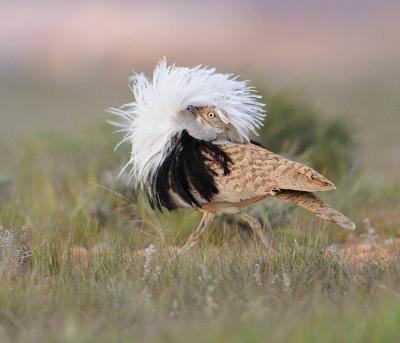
x: 148, y: 121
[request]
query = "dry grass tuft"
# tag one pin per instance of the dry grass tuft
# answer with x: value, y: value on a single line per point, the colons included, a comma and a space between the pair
x: 367, y: 249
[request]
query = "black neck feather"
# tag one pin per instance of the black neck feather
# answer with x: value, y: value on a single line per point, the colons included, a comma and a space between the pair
x: 184, y: 171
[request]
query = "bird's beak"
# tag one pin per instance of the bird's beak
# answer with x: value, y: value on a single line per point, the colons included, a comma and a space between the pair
x: 192, y: 109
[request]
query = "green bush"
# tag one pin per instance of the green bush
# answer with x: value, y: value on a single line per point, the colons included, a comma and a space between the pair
x: 293, y: 128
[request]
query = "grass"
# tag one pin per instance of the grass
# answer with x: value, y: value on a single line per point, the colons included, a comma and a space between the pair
x: 93, y: 278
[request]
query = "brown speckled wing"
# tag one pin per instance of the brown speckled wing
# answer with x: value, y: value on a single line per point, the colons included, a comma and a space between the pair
x: 315, y: 205
x: 257, y: 172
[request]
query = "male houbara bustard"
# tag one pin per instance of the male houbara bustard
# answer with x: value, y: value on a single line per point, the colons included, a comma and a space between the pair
x: 190, y: 129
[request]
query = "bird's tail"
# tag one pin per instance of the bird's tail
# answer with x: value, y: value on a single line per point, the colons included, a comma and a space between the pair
x: 312, y: 203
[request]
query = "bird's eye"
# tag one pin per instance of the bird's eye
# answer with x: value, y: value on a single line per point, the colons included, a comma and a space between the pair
x: 211, y: 115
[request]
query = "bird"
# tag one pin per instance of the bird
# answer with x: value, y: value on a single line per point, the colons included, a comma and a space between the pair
x: 190, y: 130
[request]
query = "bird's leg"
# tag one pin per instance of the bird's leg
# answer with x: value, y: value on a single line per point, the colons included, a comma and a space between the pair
x: 255, y: 225
x: 198, y: 233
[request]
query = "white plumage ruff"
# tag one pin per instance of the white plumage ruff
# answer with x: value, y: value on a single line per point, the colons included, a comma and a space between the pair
x: 150, y: 121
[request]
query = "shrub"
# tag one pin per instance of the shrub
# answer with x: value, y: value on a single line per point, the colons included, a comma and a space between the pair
x: 293, y: 128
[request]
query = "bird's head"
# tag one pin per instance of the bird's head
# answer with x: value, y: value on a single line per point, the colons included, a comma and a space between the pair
x: 206, y: 123
x: 209, y: 106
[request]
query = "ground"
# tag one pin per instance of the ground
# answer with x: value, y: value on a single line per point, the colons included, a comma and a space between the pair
x: 83, y: 258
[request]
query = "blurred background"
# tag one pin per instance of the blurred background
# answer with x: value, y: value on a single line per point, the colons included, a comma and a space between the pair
x: 74, y: 232
x: 322, y: 66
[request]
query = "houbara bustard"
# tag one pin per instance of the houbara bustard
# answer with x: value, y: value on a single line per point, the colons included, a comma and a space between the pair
x: 190, y: 129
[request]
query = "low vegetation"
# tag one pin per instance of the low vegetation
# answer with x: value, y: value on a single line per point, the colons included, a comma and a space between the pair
x: 83, y: 258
